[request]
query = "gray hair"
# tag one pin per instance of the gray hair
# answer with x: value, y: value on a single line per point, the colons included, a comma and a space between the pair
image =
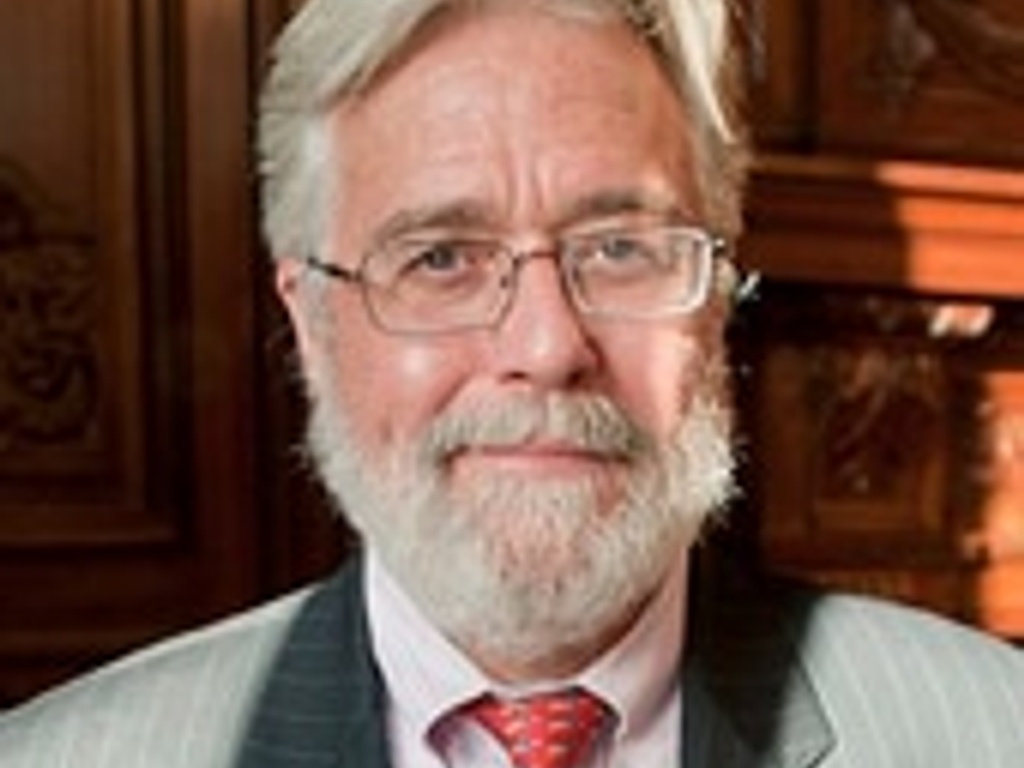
x: 333, y: 49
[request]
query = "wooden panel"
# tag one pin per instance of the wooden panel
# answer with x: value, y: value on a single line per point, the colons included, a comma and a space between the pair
x: 71, y: 285
x: 891, y: 333
x: 898, y: 468
x: 866, y: 460
x: 939, y: 79
x: 126, y: 362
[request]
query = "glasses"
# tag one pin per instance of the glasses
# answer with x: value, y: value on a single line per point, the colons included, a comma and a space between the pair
x: 435, y: 285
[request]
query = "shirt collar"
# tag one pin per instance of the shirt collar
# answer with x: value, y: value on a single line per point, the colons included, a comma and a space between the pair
x: 640, y: 674
x: 425, y: 674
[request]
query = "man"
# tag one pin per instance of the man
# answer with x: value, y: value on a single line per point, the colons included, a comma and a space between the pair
x: 502, y: 234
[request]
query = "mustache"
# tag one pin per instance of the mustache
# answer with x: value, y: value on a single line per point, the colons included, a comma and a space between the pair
x: 587, y: 422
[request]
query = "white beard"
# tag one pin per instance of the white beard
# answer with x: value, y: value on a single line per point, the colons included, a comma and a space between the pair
x: 521, y: 571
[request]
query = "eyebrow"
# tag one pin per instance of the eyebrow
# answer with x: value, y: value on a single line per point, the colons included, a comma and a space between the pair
x: 455, y: 215
x: 625, y: 201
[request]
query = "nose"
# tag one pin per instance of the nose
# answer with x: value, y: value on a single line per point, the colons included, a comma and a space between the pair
x: 542, y: 339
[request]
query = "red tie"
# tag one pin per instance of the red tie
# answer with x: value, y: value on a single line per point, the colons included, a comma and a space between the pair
x: 552, y: 730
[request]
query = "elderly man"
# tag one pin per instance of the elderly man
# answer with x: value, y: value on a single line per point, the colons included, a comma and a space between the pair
x: 503, y: 233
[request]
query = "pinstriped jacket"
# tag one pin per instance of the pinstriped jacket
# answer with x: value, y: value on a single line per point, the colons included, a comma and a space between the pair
x: 774, y: 677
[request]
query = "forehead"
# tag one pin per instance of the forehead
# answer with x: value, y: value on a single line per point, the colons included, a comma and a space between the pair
x: 503, y: 45
x: 514, y: 93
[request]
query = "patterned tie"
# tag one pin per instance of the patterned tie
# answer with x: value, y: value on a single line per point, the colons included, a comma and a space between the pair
x: 552, y: 730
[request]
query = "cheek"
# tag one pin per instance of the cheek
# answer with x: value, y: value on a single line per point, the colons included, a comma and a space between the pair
x: 393, y: 387
x: 657, y: 376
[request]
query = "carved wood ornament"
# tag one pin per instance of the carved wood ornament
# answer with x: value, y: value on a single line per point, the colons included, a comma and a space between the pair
x: 48, y: 370
x: 989, y: 50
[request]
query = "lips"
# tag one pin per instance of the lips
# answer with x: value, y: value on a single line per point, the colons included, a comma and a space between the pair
x: 552, y: 459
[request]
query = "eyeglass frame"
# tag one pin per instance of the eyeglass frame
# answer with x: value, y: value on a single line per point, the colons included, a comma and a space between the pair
x: 713, y: 247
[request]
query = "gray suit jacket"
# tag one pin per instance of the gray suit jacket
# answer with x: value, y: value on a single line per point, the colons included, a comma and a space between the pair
x: 775, y: 677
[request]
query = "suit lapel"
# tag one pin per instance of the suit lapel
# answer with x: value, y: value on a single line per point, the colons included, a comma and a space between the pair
x: 323, y: 703
x: 748, y: 702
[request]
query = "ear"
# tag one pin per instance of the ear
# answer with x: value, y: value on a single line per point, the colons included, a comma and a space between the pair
x: 288, y: 277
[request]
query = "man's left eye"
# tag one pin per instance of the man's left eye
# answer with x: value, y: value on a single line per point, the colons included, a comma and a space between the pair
x: 622, y: 250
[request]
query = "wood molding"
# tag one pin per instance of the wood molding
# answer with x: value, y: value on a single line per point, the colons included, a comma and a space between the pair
x: 934, y: 229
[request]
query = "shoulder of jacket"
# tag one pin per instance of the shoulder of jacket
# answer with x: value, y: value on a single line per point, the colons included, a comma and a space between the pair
x: 897, y: 671
x: 198, y: 685
x: 849, y: 618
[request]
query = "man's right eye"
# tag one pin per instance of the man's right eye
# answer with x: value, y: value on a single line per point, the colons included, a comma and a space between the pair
x: 441, y: 266
x: 436, y: 258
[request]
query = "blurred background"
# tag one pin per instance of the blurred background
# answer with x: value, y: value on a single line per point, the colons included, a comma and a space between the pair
x: 149, y: 479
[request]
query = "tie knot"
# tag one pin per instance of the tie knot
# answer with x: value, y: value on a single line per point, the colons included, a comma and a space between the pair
x: 550, y: 730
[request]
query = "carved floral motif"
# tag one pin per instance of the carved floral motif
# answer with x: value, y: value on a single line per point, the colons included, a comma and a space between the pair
x: 901, y: 55
x: 876, y: 386
x: 48, y: 370
x: 988, y: 48
x: 878, y: 409
x: 917, y: 32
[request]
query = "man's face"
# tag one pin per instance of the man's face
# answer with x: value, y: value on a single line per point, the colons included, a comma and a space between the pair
x: 517, y: 125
